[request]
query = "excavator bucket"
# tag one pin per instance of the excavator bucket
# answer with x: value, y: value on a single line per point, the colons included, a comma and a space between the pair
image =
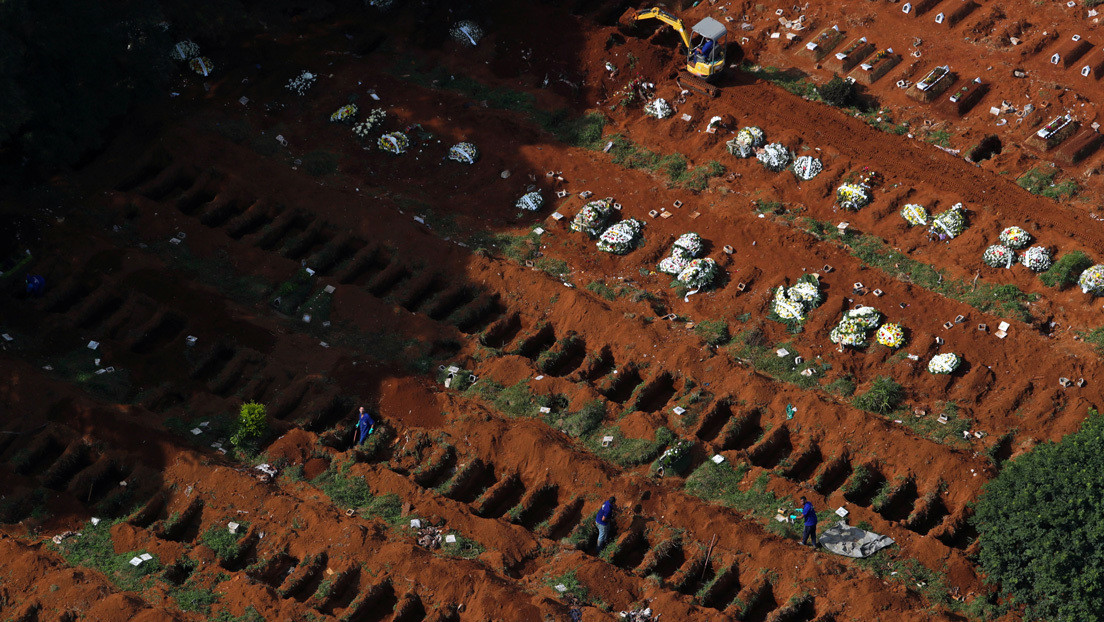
x: 688, y: 80
x: 627, y: 21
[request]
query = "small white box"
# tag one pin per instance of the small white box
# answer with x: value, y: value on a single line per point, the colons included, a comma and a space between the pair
x: 452, y: 369
x: 309, y: 271
x: 781, y: 352
x: 92, y: 345
x: 329, y: 289
x: 842, y: 512
x: 6, y: 337
x: 679, y: 410
x: 607, y: 441
x: 136, y: 561
x: 197, y: 431
x: 561, y: 588
x: 243, y: 100
x: 540, y: 377
x: 557, y: 216
x: 913, y: 357
x: 686, y: 117
x: 538, y: 231
x: 146, y: 557
x: 416, y: 523
x: 1003, y: 326
x: 95, y: 521
x: 450, y: 539
x: 204, y: 424
x: 374, y: 96
x: 191, y: 340
x: 717, y: 459
x: 233, y: 527
x: 545, y: 410
x: 174, y: 241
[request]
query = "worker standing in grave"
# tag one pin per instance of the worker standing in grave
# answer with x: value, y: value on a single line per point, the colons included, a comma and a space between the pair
x: 365, y: 425
x: 602, y: 520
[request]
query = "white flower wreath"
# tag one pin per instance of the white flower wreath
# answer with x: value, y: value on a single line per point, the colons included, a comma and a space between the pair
x: 464, y: 153
x: 852, y: 196
x: 673, y: 265
x: 591, y: 218
x: 688, y: 245
x: 1015, y: 238
x: 915, y: 214
x: 301, y: 83
x: 1092, y: 280
x: 699, y: 273
x: 365, y: 127
x: 1037, y: 259
x: 621, y: 237
x: 775, y: 157
x: 344, y: 113
x: 950, y: 223
x: 185, y: 50
x: 746, y: 142
x: 944, y: 363
x: 467, y: 32
x: 658, y: 108
x: 998, y: 256
x: 807, y: 167
x: 531, y: 201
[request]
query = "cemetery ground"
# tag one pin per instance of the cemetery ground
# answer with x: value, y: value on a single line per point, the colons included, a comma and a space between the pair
x: 232, y: 244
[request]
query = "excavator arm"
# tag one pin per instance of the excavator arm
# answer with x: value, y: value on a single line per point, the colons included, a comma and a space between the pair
x: 632, y: 16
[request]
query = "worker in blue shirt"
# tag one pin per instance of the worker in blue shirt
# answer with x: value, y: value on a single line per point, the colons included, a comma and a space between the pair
x: 704, y: 49
x: 605, y: 513
x: 365, y: 425
x: 810, y: 523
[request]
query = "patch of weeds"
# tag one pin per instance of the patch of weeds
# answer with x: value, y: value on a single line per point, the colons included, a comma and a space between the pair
x: 720, y: 483
x: 195, y: 599
x: 629, y: 452
x: 891, y: 565
x: 218, y: 272
x: 713, y: 332
x: 555, y: 267
x: 843, y: 386
x: 750, y: 347
x: 1065, y: 271
x: 250, y: 614
x: 579, y: 424
x: 603, y: 290
x: 353, y: 492
x: 791, y: 80
x: 767, y: 207
x: 572, y: 586
x: 95, y: 549
x: 517, y: 248
x: 882, y: 119
x: 463, y: 548
x: 743, y: 317
x: 1041, y: 182
x: 883, y: 397
x: 293, y: 292
x: 224, y: 543
x: 515, y: 401
x: 1095, y: 338
x: 941, y: 138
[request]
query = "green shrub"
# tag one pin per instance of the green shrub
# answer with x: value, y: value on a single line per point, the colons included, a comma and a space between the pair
x: 713, y: 332
x: 1065, y: 271
x: 252, y: 425
x: 1039, y: 527
x: 884, y: 396
x: 224, y: 543
x: 1041, y: 182
x: 837, y: 92
x: 353, y: 492
x: 583, y: 422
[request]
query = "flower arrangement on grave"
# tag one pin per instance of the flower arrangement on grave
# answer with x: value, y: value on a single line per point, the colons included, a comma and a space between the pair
x: 675, y: 459
x: 950, y: 223
x: 890, y: 335
x: 301, y: 83
x: 775, y: 157
x: 202, y: 65
x: 395, y: 142
x: 688, y: 246
x: 464, y: 153
x: 658, y: 108
x: 998, y: 256
x: 621, y: 237
x: 698, y: 274
x: 673, y: 265
x: 1015, y: 238
x: 868, y: 65
x: 1052, y: 128
x: 934, y: 76
x: 592, y: 217
x: 944, y: 363
x: 914, y: 214
x: 1092, y: 280
x: 853, y: 196
x: 1037, y: 259
x: 466, y: 32
x: 365, y: 127
x: 854, y: 325
x: 344, y: 113
x: 185, y: 50
x: 530, y: 201
x: 746, y: 142
x: 795, y: 302
x: 807, y: 167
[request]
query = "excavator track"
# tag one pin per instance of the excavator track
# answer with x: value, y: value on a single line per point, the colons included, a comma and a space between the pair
x: 688, y: 80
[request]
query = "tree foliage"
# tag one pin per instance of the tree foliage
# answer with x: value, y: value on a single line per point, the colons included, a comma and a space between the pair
x: 837, y: 92
x: 68, y: 69
x: 252, y: 424
x: 1040, y: 525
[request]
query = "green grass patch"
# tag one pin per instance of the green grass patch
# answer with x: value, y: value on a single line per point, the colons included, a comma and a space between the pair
x: 463, y: 548
x: 882, y: 119
x: 791, y: 80
x: 750, y: 346
x: 571, y: 584
x: 629, y: 452
x: 1095, y: 338
x: 353, y: 492
x: 603, y: 290
x: 93, y: 548
x: 883, y: 397
x: 941, y: 138
x: 720, y: 483
x: 1040, y: 181
x: 713, y: 332
x: 843, y: 386
x: 1064, y: 272
x: 225, y: 544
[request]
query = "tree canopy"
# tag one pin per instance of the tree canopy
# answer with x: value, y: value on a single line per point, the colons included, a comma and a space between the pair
x: 1041, y: 524
x: 69, y: 68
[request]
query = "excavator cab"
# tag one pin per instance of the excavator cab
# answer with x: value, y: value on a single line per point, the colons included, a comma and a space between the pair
x: 706, y: 56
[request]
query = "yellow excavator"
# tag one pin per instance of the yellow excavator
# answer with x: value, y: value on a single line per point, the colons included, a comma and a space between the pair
x: 705, y: 46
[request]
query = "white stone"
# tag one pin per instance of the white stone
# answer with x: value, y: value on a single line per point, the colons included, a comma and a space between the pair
x: 717, y: 459
x: 450, y: 539
x: 416, y: 523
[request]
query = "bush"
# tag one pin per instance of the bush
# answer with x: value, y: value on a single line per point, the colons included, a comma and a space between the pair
x: 1038, y: 525
x: 884, y: 396
x: 837, y: 92
x: 252, y: 424
x: 1065, y: 271
x: 320, y: 162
